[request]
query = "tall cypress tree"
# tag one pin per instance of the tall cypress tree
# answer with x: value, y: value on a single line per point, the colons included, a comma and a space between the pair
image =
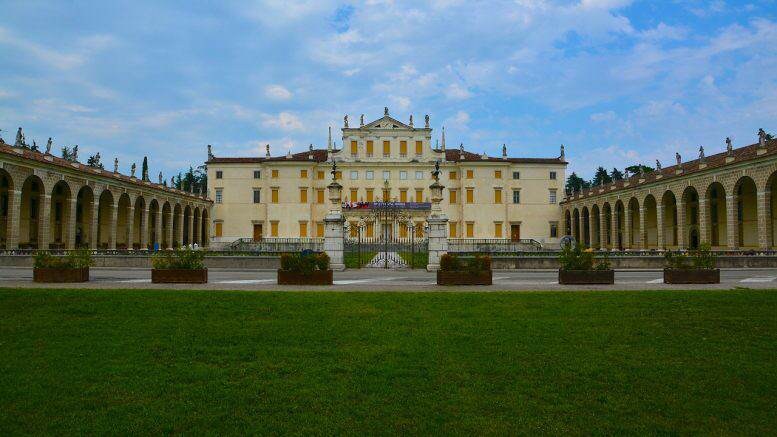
x: 144, y: 169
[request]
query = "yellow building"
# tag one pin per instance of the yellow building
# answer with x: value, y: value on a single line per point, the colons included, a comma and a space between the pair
x: 485, y: 197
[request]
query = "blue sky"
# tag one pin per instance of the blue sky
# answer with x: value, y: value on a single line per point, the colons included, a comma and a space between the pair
x: 617, y: 81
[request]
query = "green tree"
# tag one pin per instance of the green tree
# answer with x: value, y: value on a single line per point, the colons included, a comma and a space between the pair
x: 576, y: 183
x: 601, y: 177
x: 144, y: 169
x: 616, y: 175
x: 94, y: 161
x: 67, y: 154
x: 634, y: 169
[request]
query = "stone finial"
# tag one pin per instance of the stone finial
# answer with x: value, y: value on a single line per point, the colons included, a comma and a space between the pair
x: 48, y: 146
x: 161, y: 178
x: 267, y: 150
x: 172, y: 182
x: 443, y: 139
x: 345, y: 121
x: 19, y: 138
x: 761, y: 138
x: 677, y: 158
x: 411, y: 120
x: 115, y: 165
x: 329, y: 141
x: 729, y: 147
x: 361, y: 120
x: 426, y: 121
x: 701, y: 153
x: 132, y: 170
x: 504, y: 151
x: 210, y: 152
x: 288, y: 154
x: 658, y: 165
x: 385, y: 110
x: 562, y: 152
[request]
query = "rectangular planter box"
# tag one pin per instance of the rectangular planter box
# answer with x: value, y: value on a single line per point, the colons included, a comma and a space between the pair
x: 463, y: 278
x: 586, y: 277
x: 691, y: 276
x: 179, y: 276
x: 317, y: 277
x: 60, y: 275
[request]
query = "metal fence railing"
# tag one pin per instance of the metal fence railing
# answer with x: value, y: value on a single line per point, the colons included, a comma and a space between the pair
x: 492, y: 245
x: 277, y: 245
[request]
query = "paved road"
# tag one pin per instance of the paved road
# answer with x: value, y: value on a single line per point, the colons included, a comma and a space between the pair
x: 393, y: 280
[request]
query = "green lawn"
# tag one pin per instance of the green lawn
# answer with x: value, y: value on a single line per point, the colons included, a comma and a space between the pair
x: 150, y: 362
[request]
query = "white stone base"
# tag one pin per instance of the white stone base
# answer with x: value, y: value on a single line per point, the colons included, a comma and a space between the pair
x: 438, y: 240
x: 333, y: 240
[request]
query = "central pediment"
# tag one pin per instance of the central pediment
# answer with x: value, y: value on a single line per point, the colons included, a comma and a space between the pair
x: 386, y: 122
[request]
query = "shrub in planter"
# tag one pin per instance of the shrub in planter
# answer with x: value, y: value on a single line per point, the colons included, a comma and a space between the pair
x: 180, y: 266
x: 305, y: 268
x: 454, y: 271
x: 696, y: 268
x: 579, y: 267
x: 73, y: 267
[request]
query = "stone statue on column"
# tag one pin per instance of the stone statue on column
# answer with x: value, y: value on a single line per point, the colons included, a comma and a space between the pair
x: 267, y: 150
x: 678, y: 158
x: 411, y: 120
x: 48, y: 147
x: 426, y: 121
x: 729, y: 147
x: 161, y: 178
x: 361, y: 120
x: 385, y: 111
x: 504, y: 151
x: 115, y: 165
x: 658, y: 165
x: 210, y: 152
x: 345, y: 121
x: 20, y: 138
x: 132, y: 170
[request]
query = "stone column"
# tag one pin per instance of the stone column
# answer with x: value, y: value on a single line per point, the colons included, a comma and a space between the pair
x: 206, y: 223
x: 602, y: 230
x: 158, y: 228
x: 190, y: 237
x: 179, y: 218
x: 642, y: 229
x: 169, y: 230
x: 112, y: 224
x: 72, y: 226
x: 732, y: 222
x: 95, y: 223
x: 660, y: 226
x: 590, y: 230
x: 681, y: 243
x: 614, y: 228
x: 14, y: 216
x: 44, y: 221
x: 333, y: 240
x: 764, y: 221
x: 130, y: 226
x: 704, y: 224
x: 627, y: 229
x: 144, y: 229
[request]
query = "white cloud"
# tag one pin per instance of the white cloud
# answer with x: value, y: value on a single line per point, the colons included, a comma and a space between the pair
x: 457, y: 92
x: 401, y: 102
x: 461, y: 118
x: 283, y: 121
x: 277, y: 92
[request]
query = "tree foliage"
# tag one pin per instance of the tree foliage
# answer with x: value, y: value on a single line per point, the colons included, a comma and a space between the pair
x: 601, y: 177
x: 94, y: 161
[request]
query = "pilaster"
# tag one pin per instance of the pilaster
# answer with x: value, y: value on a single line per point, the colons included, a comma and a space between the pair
x: 681, y: 226
x: 112, y: 225
x: 642, y: 230
x: 660, y: 226
x: 72, y: 226
x: 764, y: 222
x: 144, y: 229
x: 627, y: 244
x: 602, y: 230
x: 94, y: 224
x: 732, y: 222
x: 44, y: 221
x: 704, y: 221
x: 130, y: 226
x: 14, y: 214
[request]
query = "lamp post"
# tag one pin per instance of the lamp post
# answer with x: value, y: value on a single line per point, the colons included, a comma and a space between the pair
x: 335, y: 191
x: 334, y: 240
x: 437, y: 222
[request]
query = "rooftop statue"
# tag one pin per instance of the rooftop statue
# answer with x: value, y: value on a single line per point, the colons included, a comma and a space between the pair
x: 48, y: 147
x: 132, y: 170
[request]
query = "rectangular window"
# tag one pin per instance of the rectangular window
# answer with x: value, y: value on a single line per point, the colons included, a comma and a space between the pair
x: 354, y: 194
x: 386, y: 148
x: 257, y: 174
x: 219, y: 229
x: 470, y: 174
x: 319, y: 196
x: 303, y: 174
x: 402, y: 148
x: 354, y: 148
x: 369, y: 148
x: 219, y: 194
x: 452, y: 175
x: 419, y: 147
x: 386, y: 195
x: 319, y: 230
x: 303, y: 229
x: 419, y: 195
x: 470, y: 195
x: 354, y: 175
x: 370, y: 197
x: 370, y: 175
x: 274, y: 229
x: 497, y: 174
x: 553, y: 175
x: 219, y: 174
x: 470, y: 230
x: 386, y: 175
x: 497, y: 195
x: 552, y: 196
x: 403, y: 195
x: 419, y: 175
x: 497, y: 229
x: 516, y: 175
x: 402, y: 175
x: 257, y: 195
x: 303, y: 195
x: 275, y: 174
x: 452, y: 228
x: 553, y: 229
x: 516, y: 196
x: 319, y: 175
x: 453, y: 197
x: 274, y: 195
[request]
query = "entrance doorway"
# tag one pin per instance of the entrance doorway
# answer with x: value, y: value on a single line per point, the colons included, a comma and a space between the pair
x: 515, y: 233
x: 257, y: 232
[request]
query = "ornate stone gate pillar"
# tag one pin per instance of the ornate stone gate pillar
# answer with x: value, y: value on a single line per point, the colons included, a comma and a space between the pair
x: 333, y: 222
x: 438, y: 225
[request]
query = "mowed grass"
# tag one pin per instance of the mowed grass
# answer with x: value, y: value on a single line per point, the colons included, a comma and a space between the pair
x: 119, y: 362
